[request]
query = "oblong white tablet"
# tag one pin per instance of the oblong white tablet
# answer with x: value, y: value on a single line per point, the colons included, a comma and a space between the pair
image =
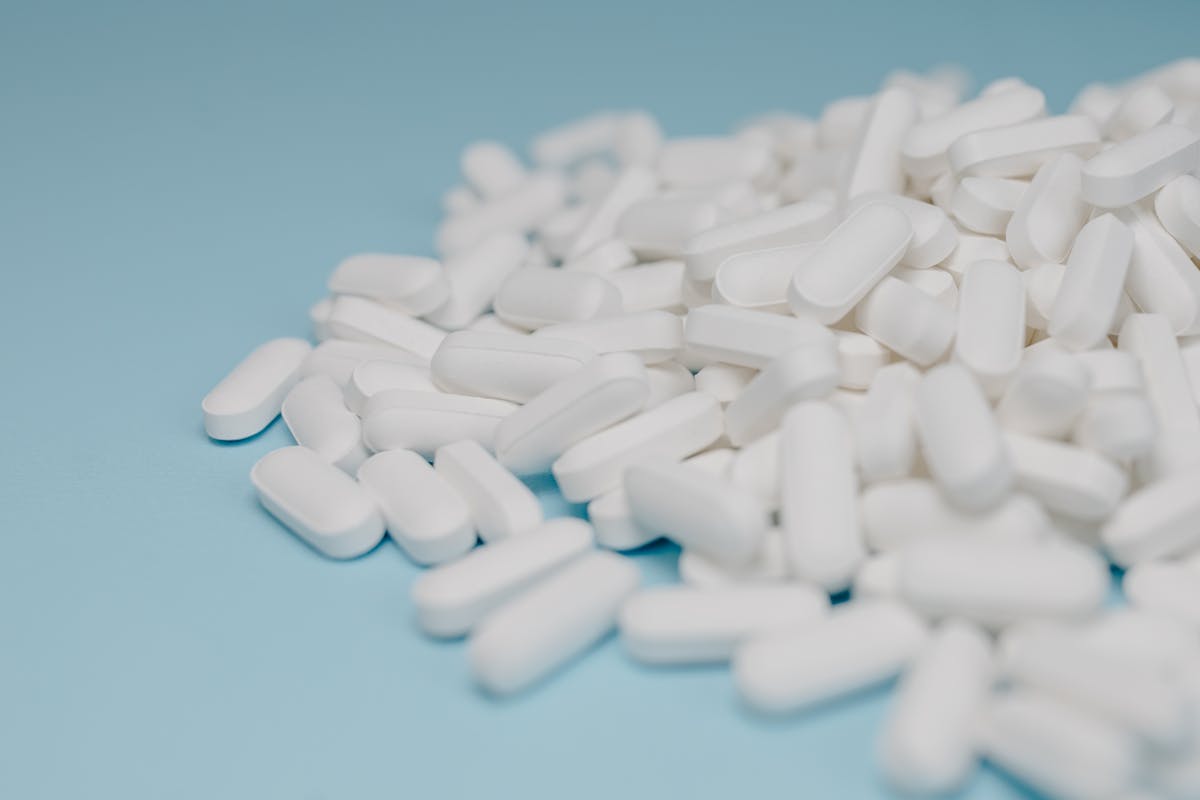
x: 654, y: 336
x: 855, y: 257
x: 1068, y: 480
x: 426, y: 516
x: 770, y: 566
x: 1165, y: 588
x: 786, y: 226
x: 318, y: 502
x: 1161, y: 520
x: 338, y: 358
x: 1119, y: 425
x: 859, y: 646
x: 806, y: 373
x: 1049, y: 215
x: 679, y: 427
x: 991, y: 323
x: 1046, y: 395
x: 660, y: 227
x: 695, y: 509
x: 874, y: 160
x: 1149, y: 338
x: 475, y: 275
x: 505, y: 366
x: 316, y: 414
x: 547, y: 625
x: 1092, y: 286
x: 606, y: 391
x: 907, y: 321
x: 1162, y: 278
x: 360, y: 319
x: 517, y: 211
x: 724, y: 381
x: 668, y: 379
x: 885, y: 436
x: 534, y: 297
x: 1015, y: 151
x: 1137, y: 112
x: 501, y: 506
x: 450, y: 599
x: 249, y: 397
x: 860, y: 357
x: 410, y: 284
x: 748, y: 338
x: 685, y: 625
x: 1140, y: 165
x: 759, y: 279
x: 972, y: 248
x: 961, y: 440
x: 1178, y: 209
x: 756, y: 468
x: 372, y: 377
x: 934, y: 237
x: 424, y: 421
x: 985, y: 205
x: 648, y: 287
x: 633, y: 184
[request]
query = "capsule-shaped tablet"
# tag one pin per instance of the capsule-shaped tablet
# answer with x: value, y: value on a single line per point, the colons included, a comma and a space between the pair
x: 724, y: 381
x: 1149, y: 338
x: 648, y: 287
x: 1165, y: 588
x: 491, y: 169
x: 679, y: 427
x: 515, y: 212
x: 806, y: 373
x: 819, y: 492
x: 759, y: 279
x: 549, y: 624
x: 1015, y: 151
x: 1178, y: 208
x: 859, y: 358
x: 885, y: 439
x: 935, y: 282
x: 907, y: 321
x: 985, y: 205
x: 424, y: 421
x: 927, y: 742
x: 450, y: 599
x: 534, y: 297
x: 1068, y: 480
x: 1093, y: 283
x: 501, y: 506
x: 410, y: 284
x: 896, y: 513
x: 961, y: 439
x: 1162, y: 279
x: 1047, y: 394
x: 859, y: 646
x: 1140, y: 639
x: 934, y: 237
x: 634, y: 184
x: 667, y: 380
x: 769, y: 566
x: 748, y: 338
x: 996, y: 583
x: 710, y: 160
x: 756, y: 468
x: 1140, y: 165
x: 338, y: 358
x: 991, y: 324
x: 695, y: 509
x: 684, y: 625
x: 786, y: 226
x: 372, y: 377
x: 874, y: 161
x: 475, y: 275
x: 972, y: 248
x: 317, y: 416
x: 1138, y: 111
x: 876, y: 578
x: 1161, y: 520
x: 1118, y: 425
x: 660, y: 227
x: 364, y: 320
x: 318, y: 502
x: 424, y: 514
x: 505, y: 366
x: 616, y: 529
x: 1049, y: 215
x: 606, y: 391
x: 654, y: 336
x: 855, y: 257
x: 249, y: 397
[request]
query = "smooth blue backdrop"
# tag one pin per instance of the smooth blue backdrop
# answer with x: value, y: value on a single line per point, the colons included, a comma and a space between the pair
x: 176, y: 180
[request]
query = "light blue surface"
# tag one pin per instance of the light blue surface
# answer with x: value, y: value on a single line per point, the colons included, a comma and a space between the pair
x: 176, y: 180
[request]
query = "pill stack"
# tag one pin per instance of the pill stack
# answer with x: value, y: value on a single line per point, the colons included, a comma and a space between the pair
x: 907, y: 384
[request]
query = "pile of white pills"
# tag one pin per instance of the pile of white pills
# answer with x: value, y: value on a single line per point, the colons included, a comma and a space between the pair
x: 942, y: 355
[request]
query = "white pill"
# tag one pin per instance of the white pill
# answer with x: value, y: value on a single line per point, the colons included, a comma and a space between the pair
x: 647, y: 287
x: 518, y: 211
x: 410, y: 284
x: 934, y: 236
x: 1015, y: 151
x: 1047, y: 394
x: 450, y: 599
x: 318, y: 502
x: 660, y: 227
x: 756, y: 468
x: 683, y: 625
x: 859, y: 646
x: 885, y: 437
x: 1162, y: 278
x: 1178, y: 208
x: 808, y: 372
x: 961, y: 440
x: 1049, y: 215
x: 695, y: 509
x: 1057, y: 749
x: 1067, y: 479
x: 1139, y: 166
x: 876, y: 578
x: 1118, y: 425
x: 400, y: 419
x: 1158, y: 521
x: 572, y: 141
x: 759, y: 279
x: 360, y: 319
x: 1112, y: 370
x: 996, y: 583
x: 372, y: 377
x: 748, y: 338
x: 935, y: 282
x: 475, y: 275
x: 972, y: 248
x: 615, y: 526
x: 604, y: 258
x: 874, y: 162
x: 991, y: 323
x: 316, y: 414
x: 667, y: 380
x: 548, y: 625
x: 812, y: 176
x: 769, y: 566
x: 724, y: 381
x: 607, y: 390
x: 338, y: 358
x: 491, y: 168
x: 855, y: 257
x: 907, y: 321
x: 1093, y: 283
x: 927, y: 742
x: 534, y: 297
x: 1171, y: 454
x: 708, y: 160
x: 501, y: 506
x: 1149, y: 338
x: 653, y: 336
x: 679, y: 427
x: 1096, y: 100
x: 896, y: 513
x: 505, y: 366
x: 250, y: 396
x: 1137, y: 112
x: 985, y: 205
x: 1140, y: 639
x: 1168, y: 589
x: 925, y: 147
x: 819, y: 492
x: 786, y: 226
x: 426, y: 516
x: 859, y: 357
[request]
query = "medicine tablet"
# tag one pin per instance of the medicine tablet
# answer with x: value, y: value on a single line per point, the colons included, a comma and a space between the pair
x: 1049, y: 215
x: 316, y: 414
x: 372, y: 377
x: 985, y: 205
x: 991, y: 323
x: 399, y: 419
x: 874, y: 161
x: 710, y: 160
x: 517, y: 211
x: 249, y: 397
x: 364, y: 320
x: 475, y: 275
x: 759, y: 279
x: 748, y: 338
x: 907, y: 321
x: 1178, y: 208
x: 1047, y: 394
x: 338, y: 358
x: 1093, y: 283
x: 647, y: 287
x: 660, y: 227
x: 1067, y: 479
x: 534, y: 297
x: 654, y: 336
x: 505, y: 366
x: 1140, y: 165
x: 934, y: 236
x: 769, y: 566
x: 885, y: 437
x: 1162, y: 278
x: 787, y: 226
x: 410, y: 284
x: 501, y: 506
x: 633, y: 184
x: 806, y: 373
x: 1157, y: 521
x: 1015, y: 151
x: 1168, y: 589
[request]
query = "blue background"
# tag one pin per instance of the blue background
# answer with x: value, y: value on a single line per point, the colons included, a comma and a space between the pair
x: 176, y: 181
